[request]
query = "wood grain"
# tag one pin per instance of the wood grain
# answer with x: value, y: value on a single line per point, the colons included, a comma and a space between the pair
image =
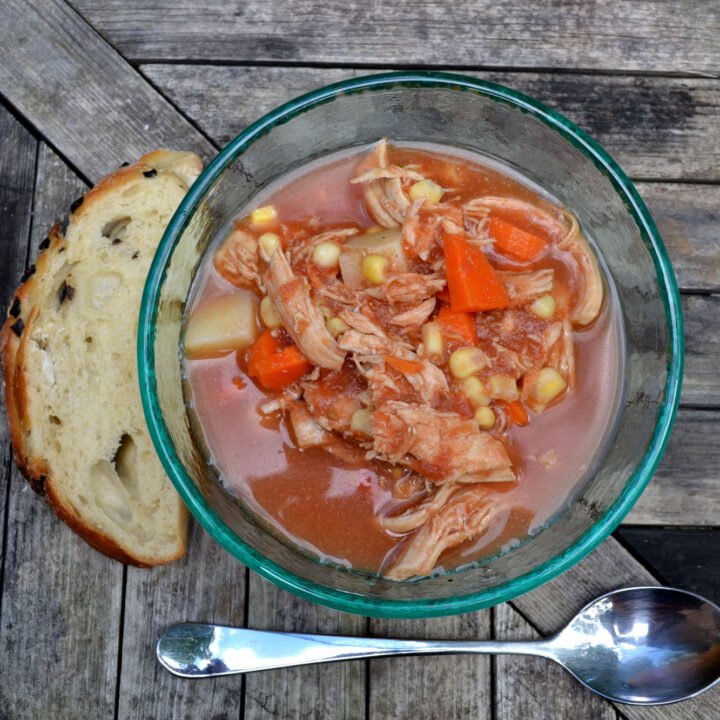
x: 450, y: 686
x: 610, y: 566
x: 60, y: 623
x: 207, y: 585
x: 678, y: 36
x: 701, y: 384
x: 314, y: 691
x: 527, y: 687
x: 659, y: 128
x: 684, y: 489
x: 89, y: 102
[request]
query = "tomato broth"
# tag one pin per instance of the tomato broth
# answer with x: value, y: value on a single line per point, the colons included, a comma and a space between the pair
x: 331, y: 502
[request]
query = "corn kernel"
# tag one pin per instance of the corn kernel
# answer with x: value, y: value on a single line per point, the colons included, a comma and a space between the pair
x: 269, y: 243
x: 466, y: 361
x: 544, y: 307
x: 485, y: 418
x: 263, y: 215
x: 426, y: 189
x: 326, y: 254
x: 503, y: 387
x: 432, y: 339
x: 269, y: 314
x: 550, y: 384
x: 475, y: 391
x: 373, y: 268
x: 336, y: 325
x: 374, y: 229
x: 361, y: 422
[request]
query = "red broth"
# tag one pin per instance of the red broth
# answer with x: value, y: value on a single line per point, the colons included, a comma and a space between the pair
x: 330, y: 506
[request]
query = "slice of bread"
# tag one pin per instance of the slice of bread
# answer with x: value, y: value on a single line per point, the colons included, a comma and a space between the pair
x: 70, y: 372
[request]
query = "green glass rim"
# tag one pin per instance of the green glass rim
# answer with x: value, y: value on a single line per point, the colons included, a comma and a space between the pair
x: 416, y: 608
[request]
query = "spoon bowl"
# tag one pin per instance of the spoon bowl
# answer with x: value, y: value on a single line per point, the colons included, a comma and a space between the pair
x: 642, y: 646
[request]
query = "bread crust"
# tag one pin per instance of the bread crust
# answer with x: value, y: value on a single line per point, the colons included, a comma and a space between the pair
x: 12, y: 349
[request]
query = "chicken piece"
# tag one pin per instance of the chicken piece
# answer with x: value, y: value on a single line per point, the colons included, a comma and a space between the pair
x: 562, y: 354
x: 589, y: 301
x: 334, y: 398
x: 306, y: 431
x: 362, y: 323
x: 415, y: 316
x: 408, y: 288
x: 237, y: 261
x: 465, y: 516
x: 384, y: 195
x: 300, y: 318
x: 524, y: 287
x: 430, y: 383
x: 418, y: 514
x: 549, y: 218
x: 441, y: 446
x: 421, y: 222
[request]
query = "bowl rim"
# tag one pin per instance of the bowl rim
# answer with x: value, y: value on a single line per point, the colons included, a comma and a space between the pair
x: 414, y: 608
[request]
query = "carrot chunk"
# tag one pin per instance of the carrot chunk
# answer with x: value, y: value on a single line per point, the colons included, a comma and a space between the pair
x: 458, y: 323
x: 272, y: 367
x: 514, y: 242
x: 407, y: 367
x: 518, y: 414
x: 472, y: 281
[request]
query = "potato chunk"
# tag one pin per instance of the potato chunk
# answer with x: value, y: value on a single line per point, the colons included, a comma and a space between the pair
x: 222, y: 325
x: 387, y: 243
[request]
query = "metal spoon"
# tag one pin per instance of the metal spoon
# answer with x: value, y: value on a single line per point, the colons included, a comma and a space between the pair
x: 643, y: 645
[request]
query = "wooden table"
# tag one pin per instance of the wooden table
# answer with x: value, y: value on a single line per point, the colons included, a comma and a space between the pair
x: 86, y: 84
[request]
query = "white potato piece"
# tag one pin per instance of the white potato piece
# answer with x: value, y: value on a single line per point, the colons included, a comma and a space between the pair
x: 386, y: 242
x: 221, y: 326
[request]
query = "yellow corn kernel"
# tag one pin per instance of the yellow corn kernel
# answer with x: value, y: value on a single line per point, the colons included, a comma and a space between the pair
x: 544, y: 307
x: 336, y: 325
x: 432, y: 339
x: 485, y: 418
x: 361, y: 422
x: 263, y: 215
x: 426, y: 189
x: 475, y: 391
x: 373, y: 268
x: 466, y: 361
x: 269, y: 314
x: 503, y: 387
x: 269, y: 243
x: 326, y: 254
x: 550, y: 384
x: 374, y: 229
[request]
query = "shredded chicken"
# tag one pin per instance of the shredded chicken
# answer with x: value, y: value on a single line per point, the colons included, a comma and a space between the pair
x: 415, y: 316
x: 418, y: 514
x: 306, y: 431
x: 527, y: 286
x: 300, y: 317
x: 589, y: 302
x: 237, y: 261
x: 441, y: 446
x: 463, y: 517
x: 408, y: 288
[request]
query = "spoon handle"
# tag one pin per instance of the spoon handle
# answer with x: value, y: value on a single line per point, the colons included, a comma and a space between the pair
x: 203, y: 650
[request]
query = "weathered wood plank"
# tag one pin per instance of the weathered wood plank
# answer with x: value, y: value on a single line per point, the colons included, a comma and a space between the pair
x: 688, y: 217
x: 208, y: 585
x: 18, y: 150
x: 432, y: 687
x: 685, y: 558
x: 61, y: 599
x: 659, y: 128
x: 610, y: 566
x: 679, y: 36
x: 314, y: 691
x: 86, y: 99
x: 684, y: 490
x: 701, y: 385
x: 527, y: 687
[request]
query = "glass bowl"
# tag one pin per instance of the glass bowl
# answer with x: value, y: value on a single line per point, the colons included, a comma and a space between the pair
x: 540, y: 144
